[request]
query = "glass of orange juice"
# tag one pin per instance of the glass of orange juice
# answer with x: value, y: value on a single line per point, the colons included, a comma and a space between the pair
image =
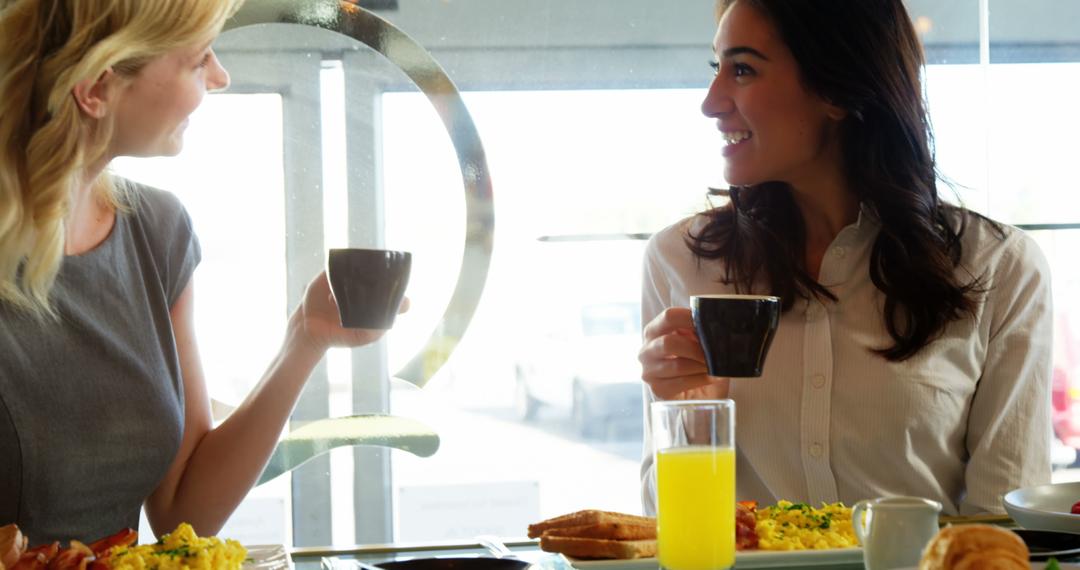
x: 694, y: 453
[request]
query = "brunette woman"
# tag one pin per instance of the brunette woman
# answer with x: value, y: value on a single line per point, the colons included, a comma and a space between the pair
x: 913, y: 355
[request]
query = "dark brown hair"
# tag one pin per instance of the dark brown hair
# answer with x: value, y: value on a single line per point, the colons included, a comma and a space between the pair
x: 862, y: 56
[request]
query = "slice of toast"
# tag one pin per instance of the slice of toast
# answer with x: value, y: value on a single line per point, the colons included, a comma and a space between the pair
x: 611, y: 531
x: 598, y: 547
x: 589, y: 517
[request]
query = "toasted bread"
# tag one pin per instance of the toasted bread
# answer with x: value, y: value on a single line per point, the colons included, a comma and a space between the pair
x: 587, y: 518
x: 597, y: 547
x: 610, y: 531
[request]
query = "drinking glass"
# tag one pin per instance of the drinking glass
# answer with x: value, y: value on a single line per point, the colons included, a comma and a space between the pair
x: 694, y: 453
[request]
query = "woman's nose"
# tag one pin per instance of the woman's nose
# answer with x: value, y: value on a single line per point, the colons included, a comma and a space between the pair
x: 717, y: 101
x: 218, y: 78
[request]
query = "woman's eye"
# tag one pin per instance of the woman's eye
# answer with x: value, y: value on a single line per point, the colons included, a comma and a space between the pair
x: 737, y: 69
x: 743, y: 70
x: 206, y: 59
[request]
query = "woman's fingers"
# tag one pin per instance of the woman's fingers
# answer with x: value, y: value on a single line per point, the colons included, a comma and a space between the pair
x: 678, y: 344
x: 672, y: 364
x: 672, y: 361
x: 671, y: 320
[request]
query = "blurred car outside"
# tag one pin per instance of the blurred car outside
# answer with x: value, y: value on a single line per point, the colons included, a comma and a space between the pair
x: 585, y: 363
x: 579, y: 353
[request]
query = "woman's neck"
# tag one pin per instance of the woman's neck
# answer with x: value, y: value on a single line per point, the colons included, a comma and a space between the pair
x: 827, y: 205
x: 826, y: 214
x: 89, y: 218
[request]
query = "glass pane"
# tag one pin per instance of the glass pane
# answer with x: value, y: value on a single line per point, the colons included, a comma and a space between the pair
x: 228, y: 179
x: 1038, y: 31
x: 949, y: 29
x: 956, y: 102
x: 1059, y: 247
x: 546, y: 385
x: 1033, y: 86
x: 589, y: 115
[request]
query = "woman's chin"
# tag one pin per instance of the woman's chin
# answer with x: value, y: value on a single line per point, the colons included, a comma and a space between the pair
x: 735, y: 178
x: 171, y: 147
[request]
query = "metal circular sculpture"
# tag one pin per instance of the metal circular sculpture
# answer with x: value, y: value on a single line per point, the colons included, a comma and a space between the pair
x: 411, y: 58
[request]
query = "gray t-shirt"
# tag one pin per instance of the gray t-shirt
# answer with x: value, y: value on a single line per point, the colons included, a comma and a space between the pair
x: 92, y: 405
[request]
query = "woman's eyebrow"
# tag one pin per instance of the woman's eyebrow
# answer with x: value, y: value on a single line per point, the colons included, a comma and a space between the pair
x: 738, y: 50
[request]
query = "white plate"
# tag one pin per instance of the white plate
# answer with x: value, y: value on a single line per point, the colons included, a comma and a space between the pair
x: 1045, y: 507
x: 267, y: 557
x: 744, y: 559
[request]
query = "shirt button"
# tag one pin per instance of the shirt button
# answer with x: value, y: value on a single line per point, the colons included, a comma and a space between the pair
x: 818, y: 381
x: 816, y: 450
x: 840, y: 252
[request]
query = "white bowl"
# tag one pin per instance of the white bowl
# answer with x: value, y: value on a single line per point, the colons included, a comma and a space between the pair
x: 1045, y: 507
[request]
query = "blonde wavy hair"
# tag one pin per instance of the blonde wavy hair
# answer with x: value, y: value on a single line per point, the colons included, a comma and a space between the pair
x: 46, y: 143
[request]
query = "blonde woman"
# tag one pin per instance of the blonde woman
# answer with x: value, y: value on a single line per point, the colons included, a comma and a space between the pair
x: 103, y: 404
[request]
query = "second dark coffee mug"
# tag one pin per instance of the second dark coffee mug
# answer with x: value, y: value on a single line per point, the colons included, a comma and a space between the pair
x: 735, y: 332
x: 368, y: 285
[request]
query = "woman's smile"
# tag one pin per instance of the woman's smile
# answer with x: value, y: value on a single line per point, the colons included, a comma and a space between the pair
x: 734, y: 140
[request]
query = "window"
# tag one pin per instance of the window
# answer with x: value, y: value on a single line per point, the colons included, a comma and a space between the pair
x: 589, y: 117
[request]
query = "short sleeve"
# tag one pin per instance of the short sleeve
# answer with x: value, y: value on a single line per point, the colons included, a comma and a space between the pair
x: 185, y: 256
x: 170, y: 236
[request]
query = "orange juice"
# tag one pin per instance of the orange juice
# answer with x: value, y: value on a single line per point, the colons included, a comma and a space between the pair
x: 696, y: 508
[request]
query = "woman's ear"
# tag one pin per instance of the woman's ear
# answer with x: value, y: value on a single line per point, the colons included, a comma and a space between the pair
x: 92, y: 95
x: 835, y: 112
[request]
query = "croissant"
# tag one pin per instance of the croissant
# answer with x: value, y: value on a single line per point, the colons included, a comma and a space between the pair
x: 12, y: 545
x: 975, y: 547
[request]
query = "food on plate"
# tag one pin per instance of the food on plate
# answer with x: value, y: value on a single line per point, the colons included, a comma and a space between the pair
x: 975, y: 547
x: 15, y: 554
x: 591, y: 517
x: 598, y: 547
x: 597, y: 534
x: 798, y: 526
x: 12, y: 545
x: 746, y: 537
x: 612, y: 531
x: 785, y: 526
x: 181, y: 549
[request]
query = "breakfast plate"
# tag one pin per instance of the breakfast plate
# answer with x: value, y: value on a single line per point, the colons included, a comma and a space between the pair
x: 828, y: 558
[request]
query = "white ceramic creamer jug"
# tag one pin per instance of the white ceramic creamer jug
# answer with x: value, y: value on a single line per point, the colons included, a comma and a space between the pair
x: 895, y: 530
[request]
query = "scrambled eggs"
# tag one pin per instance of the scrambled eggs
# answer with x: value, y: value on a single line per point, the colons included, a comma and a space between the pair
x: 181, y: 549
x: 798, y: 526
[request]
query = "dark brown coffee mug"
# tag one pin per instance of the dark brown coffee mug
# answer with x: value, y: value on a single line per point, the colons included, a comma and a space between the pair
x: 368, y: 285
x: 735, y: 332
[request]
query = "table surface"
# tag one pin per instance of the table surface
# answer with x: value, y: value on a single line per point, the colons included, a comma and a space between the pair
x: 311, y: 558
x: 338, y: 558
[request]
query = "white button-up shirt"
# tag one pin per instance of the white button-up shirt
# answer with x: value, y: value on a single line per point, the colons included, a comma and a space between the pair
x: 962, y: 422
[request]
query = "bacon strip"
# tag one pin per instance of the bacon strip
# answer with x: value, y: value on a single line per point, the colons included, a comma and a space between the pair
x: 746, y: 537
x: 78, y: 556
